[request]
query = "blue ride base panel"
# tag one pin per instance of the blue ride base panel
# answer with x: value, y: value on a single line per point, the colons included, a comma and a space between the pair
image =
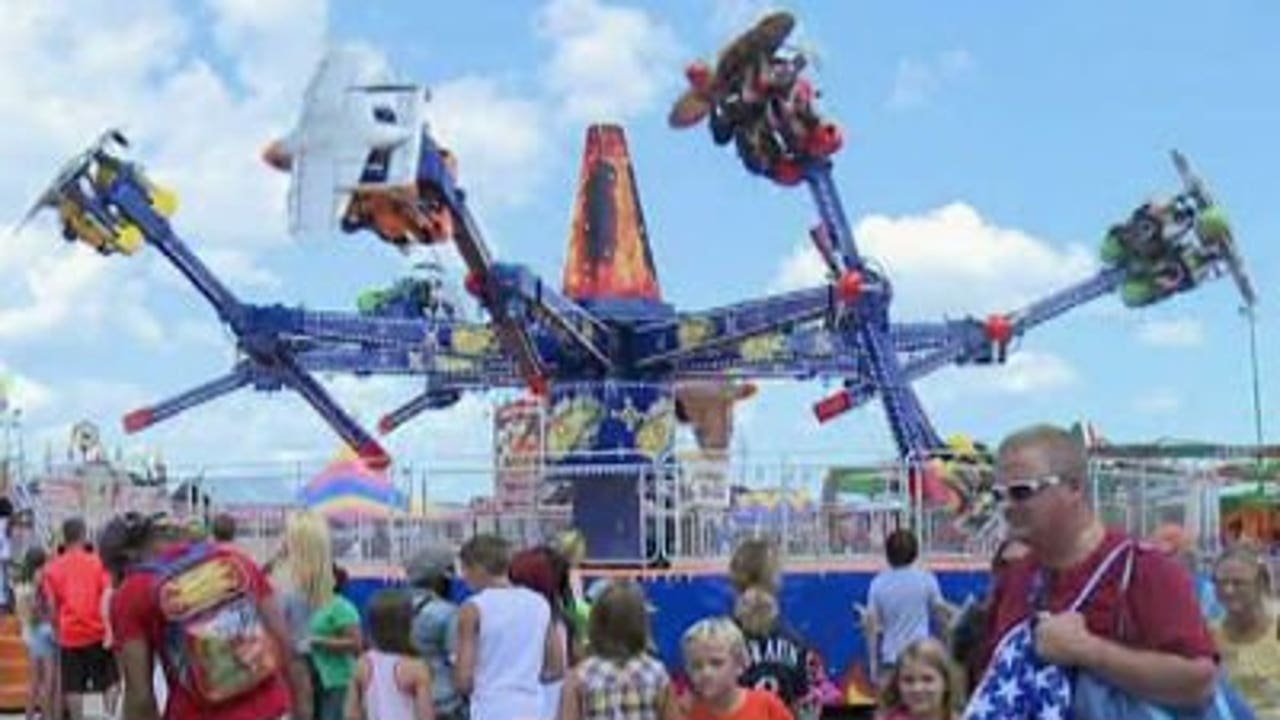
x: 819, y: 605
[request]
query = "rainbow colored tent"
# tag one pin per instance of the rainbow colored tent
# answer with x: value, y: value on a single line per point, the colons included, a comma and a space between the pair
x: 348, y: 488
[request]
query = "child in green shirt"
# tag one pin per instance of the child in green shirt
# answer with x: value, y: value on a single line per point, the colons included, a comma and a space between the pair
x: 335, y: 645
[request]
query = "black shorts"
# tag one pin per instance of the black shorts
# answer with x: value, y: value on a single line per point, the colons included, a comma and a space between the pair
x: 88, y: 669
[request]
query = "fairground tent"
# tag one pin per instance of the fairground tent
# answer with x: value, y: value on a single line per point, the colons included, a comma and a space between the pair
x: 347, y: 488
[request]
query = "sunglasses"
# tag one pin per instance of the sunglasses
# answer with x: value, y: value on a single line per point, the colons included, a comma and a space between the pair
x: 1024, y: 490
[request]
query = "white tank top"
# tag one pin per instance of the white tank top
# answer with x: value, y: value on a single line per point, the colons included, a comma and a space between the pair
x: 513, y: 625
x: 383, y: 699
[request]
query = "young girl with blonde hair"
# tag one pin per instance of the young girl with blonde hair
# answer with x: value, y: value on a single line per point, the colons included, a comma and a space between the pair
x: 924, y: 685
x: 325, y: 625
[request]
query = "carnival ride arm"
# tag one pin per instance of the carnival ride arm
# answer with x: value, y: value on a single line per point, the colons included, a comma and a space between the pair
x: 727, y: 328
x: 519, y: 288
x: 512, y: 334
x: 126, y: 193
x: 1041, y: 311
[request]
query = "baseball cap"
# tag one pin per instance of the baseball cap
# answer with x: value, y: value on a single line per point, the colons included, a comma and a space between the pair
x: 429, y: 564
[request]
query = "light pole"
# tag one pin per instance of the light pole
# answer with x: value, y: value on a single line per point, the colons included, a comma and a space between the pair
x: 1252, y: 318
x: 13, y: 461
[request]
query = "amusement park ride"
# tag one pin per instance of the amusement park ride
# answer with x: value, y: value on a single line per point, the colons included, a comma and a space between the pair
x: 615, y: 364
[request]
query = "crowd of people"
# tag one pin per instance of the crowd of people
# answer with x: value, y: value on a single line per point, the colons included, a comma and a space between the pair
x: 167, y: 621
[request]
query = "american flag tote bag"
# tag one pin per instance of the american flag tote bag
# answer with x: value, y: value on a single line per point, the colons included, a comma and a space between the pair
x: 1018, y: 684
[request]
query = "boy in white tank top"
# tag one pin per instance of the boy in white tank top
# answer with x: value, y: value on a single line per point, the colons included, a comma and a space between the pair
x: 506, y: 649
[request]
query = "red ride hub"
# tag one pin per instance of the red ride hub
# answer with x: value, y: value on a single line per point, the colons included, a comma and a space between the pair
x: 998, y: 329
x: 849, y: 286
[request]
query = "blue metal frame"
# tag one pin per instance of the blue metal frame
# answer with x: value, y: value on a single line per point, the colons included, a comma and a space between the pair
x: 536, y: 335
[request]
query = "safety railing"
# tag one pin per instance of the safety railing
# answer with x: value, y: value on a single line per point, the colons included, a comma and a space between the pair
x: 692, y: 508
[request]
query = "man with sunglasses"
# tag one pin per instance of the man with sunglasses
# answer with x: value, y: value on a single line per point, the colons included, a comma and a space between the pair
x: 1147, y: 638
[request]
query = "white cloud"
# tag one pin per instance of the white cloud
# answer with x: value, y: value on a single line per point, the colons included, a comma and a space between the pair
x: 1172, y: 333
x: 274, y: 43
x: 1159, y: 401
x: 1031, y: 372
x: 950, y: 261
x: 198, y: 131
x: 1026, y: 373
x: 200, y: 91
x: 499, y: 139
x: 609, y: 62
x: 24, y: 392
x: 239, y: 269
x: 202, y: 335
x: 53, y: 287
x: 917, y: 81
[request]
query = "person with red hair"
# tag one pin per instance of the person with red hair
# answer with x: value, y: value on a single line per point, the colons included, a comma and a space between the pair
x: 546, y: 572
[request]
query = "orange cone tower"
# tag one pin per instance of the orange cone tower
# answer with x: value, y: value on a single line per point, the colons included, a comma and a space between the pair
x: 609, y: 256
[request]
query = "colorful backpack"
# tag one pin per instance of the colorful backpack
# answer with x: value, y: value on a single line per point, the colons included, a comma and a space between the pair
x: 216, y: 644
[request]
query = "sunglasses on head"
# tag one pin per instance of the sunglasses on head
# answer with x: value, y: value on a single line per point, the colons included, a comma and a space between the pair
x: 1023, y: 490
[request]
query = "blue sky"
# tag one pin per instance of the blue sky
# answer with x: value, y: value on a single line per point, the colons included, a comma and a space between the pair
x: 989, y: 146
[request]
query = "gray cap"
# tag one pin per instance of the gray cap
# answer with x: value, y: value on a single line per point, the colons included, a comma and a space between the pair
x: 596, y: 590
x: 429, y: 564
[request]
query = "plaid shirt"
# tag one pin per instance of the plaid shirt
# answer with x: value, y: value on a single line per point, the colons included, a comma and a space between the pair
x: 628, y: 690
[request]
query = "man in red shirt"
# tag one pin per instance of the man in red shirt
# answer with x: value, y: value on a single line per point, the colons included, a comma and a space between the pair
x: 75, y: 582
x: 138, y: 546
x: 1151, y: 639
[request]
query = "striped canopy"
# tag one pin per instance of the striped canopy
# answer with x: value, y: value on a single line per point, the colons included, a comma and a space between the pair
x: 348, y: 488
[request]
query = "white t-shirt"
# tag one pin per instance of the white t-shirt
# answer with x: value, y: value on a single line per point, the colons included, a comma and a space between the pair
x: 514, y: 622
x: 902, y: 600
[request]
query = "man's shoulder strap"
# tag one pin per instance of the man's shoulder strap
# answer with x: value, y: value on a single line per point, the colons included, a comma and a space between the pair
x: 1123, y: 551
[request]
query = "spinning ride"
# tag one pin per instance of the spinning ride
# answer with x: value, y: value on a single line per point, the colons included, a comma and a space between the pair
x: 614, y: 363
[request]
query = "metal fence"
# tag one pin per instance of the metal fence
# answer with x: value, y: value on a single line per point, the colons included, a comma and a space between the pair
x: 1144, y: 495
x: 691, y: 510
